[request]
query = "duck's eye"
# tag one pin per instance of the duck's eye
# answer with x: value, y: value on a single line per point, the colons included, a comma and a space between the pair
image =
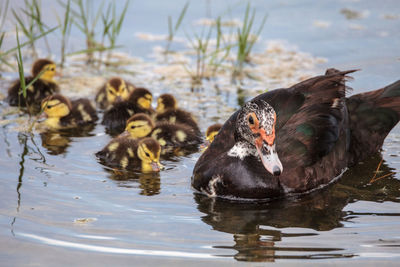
x: 52, y: 69
x: 49, y: 107
x: 133, y: 126
x: 251, y: 120
x: 111, y: 91
x: 147, y: 154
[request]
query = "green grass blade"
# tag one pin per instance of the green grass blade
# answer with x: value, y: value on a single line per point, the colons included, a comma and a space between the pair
x: 181, y: 16
x: 91, y: 50
x: 28, y: 42
x: 20, y: 66
x: 122, y: 17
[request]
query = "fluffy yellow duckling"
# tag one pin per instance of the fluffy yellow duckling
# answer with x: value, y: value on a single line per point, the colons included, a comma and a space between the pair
x: 167, y: 110
x: 211, y: 132
x: 42, y: 87
x: 61, y: 113
x: 116, y: 116
x: 167, y: 134
x: 131, y: 154
x: 114, y: 90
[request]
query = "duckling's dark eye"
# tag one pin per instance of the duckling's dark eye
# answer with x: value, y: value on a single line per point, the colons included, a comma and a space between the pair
x: 133, y: 126
x: 52, y: 69
x: 49, y: 107
x: 147, y: 154
x: 251, y: 120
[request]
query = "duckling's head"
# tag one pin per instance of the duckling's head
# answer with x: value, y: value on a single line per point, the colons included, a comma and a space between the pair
x: 212, y: 131
x: 139, y: 125
x: 47, y: 66
x: 141, y: 97
x: 56, y: 106
x: 116, y: 90
x: 149, y: 151
x: 166, y: 101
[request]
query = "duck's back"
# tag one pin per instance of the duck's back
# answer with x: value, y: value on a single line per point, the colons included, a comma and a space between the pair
x: 178, y: 116
x: 34, y: 94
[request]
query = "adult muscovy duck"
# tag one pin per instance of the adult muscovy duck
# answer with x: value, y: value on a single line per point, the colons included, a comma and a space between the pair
x: 297, y: 139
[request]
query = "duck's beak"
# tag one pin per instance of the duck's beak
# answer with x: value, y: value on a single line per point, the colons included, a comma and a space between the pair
x: 156, y: 166
x: 265, y: 145
x: 42, y: 116
x: 124, y: 134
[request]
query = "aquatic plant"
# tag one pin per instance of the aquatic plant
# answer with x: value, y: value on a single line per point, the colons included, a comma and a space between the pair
x: 200, y: 43
x: 114, y: 27
x: 3, y: 55
x: 246, y: 39
x: 29, y: 20
x: 221, y: 51
x: 21, y: 72
x: 3, y: 14
x: 173, y: 29
x: 85, y: 20
x: 65, y: 28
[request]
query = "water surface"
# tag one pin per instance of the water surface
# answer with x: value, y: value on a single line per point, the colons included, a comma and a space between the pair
x: 60, y: 206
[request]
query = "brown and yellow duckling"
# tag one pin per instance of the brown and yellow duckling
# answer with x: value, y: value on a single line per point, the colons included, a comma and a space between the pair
x: 167, y: 134
x: 211, y: 132
x: 114, y: 90
x: 61, y: 113
x: 167, y: 110
x: 115, y: 117
x: 132, y: 154
x: 42, y: 87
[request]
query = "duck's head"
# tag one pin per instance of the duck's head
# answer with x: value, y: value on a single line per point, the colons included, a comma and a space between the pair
x: 46, y: 66
x: 256, y: 126
x: 212, y: 131
x: 116, y: 90
x: 166, y: 101
x: 141, y: 97
x: 138, y: 126
x: 149, y: 153
x: 56, y: 106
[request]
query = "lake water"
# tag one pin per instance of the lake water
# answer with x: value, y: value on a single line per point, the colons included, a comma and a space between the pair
x: 60, y: 206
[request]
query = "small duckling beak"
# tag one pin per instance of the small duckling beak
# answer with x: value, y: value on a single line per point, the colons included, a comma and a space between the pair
x: 42, y: 116
x: 58, y: 74
x: 156, y: 166
x: 205, y: 144
x: 118, y: 99
x: 124, y: 134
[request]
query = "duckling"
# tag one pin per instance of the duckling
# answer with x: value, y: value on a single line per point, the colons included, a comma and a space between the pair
x: 42, y: 87
x: 116, y: 116
x: 62, y: 113
x: 167, y: 134
x: 211, y: 132
x: 167, y: 110
x: 114, y: 90
x: 132, y: 154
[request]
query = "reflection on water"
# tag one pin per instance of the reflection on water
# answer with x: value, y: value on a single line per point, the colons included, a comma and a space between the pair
x: 57, y: 142
x: 322, y: 210
x: 149, y: 183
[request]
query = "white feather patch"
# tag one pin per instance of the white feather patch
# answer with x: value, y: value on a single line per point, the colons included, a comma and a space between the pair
x: 242, y: 150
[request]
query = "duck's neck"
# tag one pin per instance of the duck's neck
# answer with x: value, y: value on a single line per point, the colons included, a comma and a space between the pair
x: 47, y: 79
x: 53, y: 122
x: 241, y: 150
x: 146, y: 167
